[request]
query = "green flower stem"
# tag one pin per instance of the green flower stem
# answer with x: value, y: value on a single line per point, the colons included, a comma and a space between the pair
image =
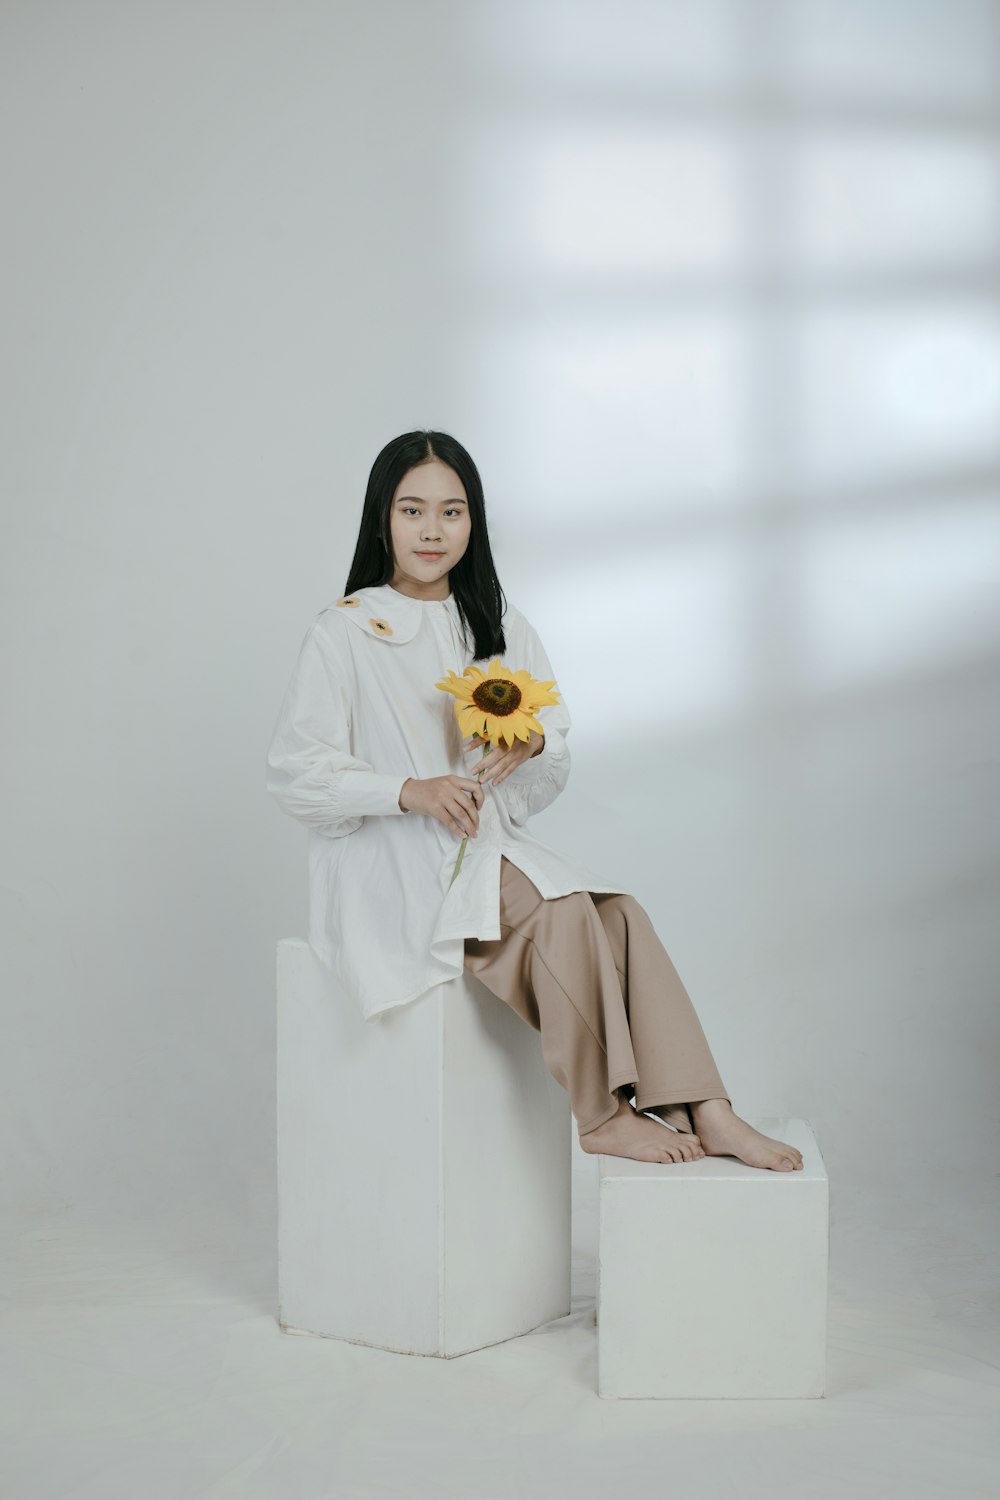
x: 487, y: 747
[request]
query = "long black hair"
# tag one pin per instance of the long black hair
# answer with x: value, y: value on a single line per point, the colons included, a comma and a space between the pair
x: 480, y: 599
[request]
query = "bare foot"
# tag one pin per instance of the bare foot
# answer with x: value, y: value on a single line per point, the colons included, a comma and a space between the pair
x: 630, y: 1134
x: 723, y: 1133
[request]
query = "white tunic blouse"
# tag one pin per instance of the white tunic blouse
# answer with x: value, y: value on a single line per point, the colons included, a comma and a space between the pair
x: 360, y: 715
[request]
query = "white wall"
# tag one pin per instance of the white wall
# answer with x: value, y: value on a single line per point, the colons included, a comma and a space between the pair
x: 709, y: 291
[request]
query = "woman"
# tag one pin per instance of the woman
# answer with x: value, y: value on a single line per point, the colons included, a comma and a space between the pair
x: 367, y: 753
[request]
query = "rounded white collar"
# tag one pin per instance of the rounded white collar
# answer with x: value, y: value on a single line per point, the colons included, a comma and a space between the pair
x: 382, y: 611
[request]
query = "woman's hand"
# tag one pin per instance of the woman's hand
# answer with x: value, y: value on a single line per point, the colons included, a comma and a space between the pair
x: 454, y: 800
x: 499, y: 763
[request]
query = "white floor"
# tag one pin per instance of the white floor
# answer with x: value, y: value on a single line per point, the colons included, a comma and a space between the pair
x: 145, y: 1360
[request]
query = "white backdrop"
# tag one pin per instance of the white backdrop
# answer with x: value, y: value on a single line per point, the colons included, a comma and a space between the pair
x: 709, y: 290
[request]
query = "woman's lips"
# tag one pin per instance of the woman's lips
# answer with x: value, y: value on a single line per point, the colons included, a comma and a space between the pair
x: 430, y: 554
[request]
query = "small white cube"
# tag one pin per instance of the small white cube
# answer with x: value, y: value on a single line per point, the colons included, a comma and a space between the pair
x: 713, y: 1275
x: 423, y: 1167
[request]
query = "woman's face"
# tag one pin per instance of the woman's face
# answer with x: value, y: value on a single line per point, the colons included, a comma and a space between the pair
x: 430, y: 514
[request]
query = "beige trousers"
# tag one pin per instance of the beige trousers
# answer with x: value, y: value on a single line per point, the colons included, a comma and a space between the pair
x: 589, y: 973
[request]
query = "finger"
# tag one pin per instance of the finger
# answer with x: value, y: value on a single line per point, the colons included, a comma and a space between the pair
x: 504, y: 767
x: 468, y: 819
x: 493, y: 766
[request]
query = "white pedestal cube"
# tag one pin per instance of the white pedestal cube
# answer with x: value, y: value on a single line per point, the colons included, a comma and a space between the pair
x: 713, y: 1276
x: 423, y: 1167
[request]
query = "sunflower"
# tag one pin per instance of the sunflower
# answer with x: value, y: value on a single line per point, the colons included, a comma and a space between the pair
x: 498, y: 704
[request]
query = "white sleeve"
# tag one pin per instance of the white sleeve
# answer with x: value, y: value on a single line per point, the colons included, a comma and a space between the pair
x: 538, y: 781
x: 310, y: 769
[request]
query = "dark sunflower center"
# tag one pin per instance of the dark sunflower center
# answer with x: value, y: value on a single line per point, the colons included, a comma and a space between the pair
x: 497, y: 696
